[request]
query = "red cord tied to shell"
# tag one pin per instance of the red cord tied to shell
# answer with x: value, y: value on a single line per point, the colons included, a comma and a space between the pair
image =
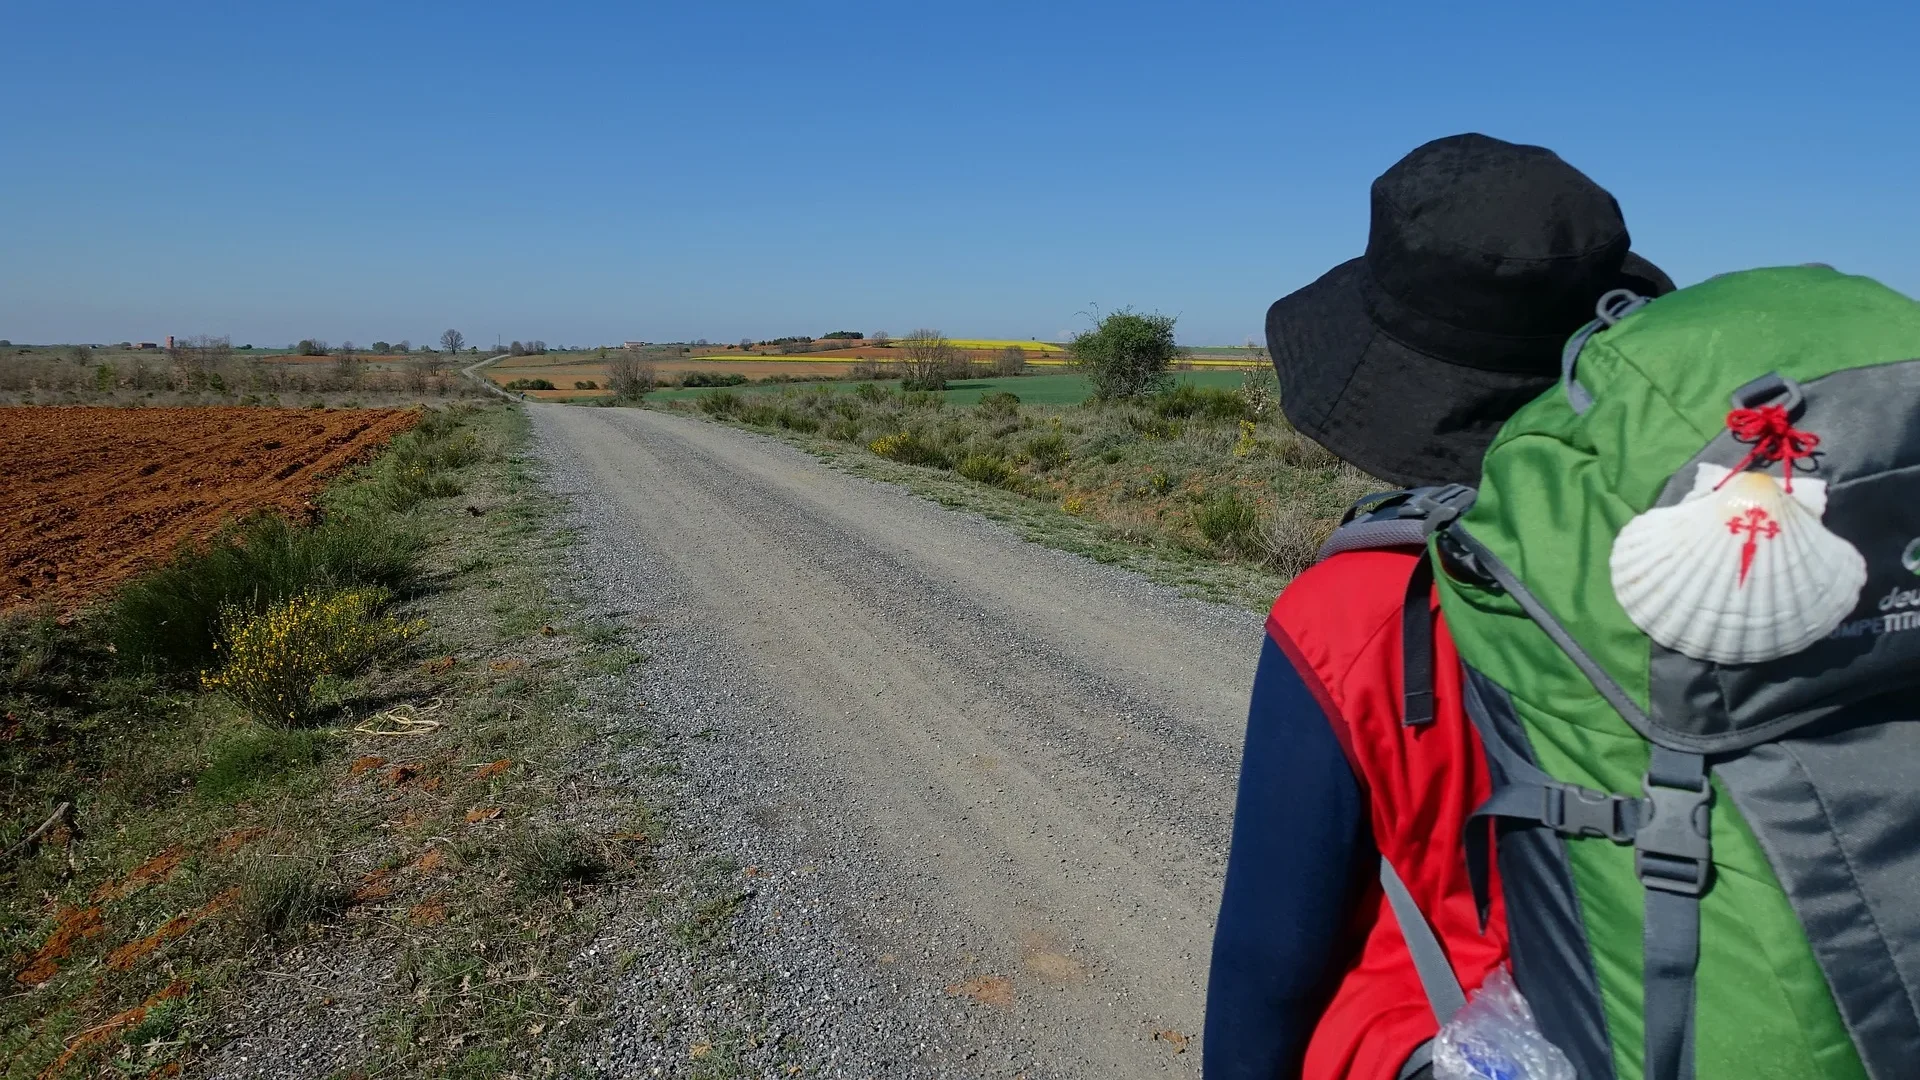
x: 1774, y: 438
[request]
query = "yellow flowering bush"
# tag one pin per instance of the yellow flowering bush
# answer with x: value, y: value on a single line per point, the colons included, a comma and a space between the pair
x: 1246, y: 443
x: 272, y: 662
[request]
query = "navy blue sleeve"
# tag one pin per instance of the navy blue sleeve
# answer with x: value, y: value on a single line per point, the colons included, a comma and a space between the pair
x: 1300, y: 843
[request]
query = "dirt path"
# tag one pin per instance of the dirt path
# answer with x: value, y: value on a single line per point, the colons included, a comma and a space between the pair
x: 986, y: 785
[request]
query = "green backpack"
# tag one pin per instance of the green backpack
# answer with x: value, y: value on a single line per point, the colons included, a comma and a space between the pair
x: 1710, y: 859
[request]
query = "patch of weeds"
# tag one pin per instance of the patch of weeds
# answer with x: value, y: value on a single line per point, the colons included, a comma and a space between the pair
x: 555, y: 859
x: 267, y: 756
x: 1047, y: 451
x: 280, y: 896
x: 1228, y: 521
x: 708, y: 919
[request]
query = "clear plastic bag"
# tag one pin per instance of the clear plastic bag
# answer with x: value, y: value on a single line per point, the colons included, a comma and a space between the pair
x: 1494, y: 1038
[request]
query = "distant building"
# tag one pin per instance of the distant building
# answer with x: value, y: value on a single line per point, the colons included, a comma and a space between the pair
x: 633, y: 344
x: 145, y: 345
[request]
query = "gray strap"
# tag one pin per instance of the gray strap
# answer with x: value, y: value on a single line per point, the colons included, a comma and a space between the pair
x: 1374, y: 535
x: 1429, y: 959
x: 1672, y: 946
x: 1421, y: 1057
x: 1673, y: 855
x: 1545, y: 620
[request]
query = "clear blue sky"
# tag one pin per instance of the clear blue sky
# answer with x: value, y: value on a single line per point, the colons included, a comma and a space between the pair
x: 595, y: 172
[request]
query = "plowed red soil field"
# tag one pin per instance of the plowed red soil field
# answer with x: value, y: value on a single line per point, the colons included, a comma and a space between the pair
x: 90, y: 497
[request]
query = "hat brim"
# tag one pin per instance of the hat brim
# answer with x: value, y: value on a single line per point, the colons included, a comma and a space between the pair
x: 1385, y: 407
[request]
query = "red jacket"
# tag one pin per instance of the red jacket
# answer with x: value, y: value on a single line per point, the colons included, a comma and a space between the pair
x: 1340, y: 626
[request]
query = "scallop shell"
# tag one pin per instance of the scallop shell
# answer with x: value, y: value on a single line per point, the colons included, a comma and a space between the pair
x: 1740, y: 574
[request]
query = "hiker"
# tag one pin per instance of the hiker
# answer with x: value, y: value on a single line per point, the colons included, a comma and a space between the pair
x: 1482, y: 259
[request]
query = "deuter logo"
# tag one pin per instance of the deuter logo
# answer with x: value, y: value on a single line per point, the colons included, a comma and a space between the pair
x: 1910, y: 558
x: 1900, y: 607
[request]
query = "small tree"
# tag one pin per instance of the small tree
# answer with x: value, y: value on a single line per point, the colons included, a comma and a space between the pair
x: 452, y: 340
x: 1011, y: 361
x: 879, y: 338
x: 382, y: 347
x: 928, y: 358
x: 403, y: 346
x: 311, y: 347
x: 630, y: 376
x: 347, y: 365
x: 1127, y: 354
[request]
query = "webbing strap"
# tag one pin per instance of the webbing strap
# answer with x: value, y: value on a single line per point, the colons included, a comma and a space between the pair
x: 1429, y: 959
x: 1421, y: 1058
x: 1416, y: 645
x: 1529, y: 603
x: 1674, y: 860
x: 1672, y: 944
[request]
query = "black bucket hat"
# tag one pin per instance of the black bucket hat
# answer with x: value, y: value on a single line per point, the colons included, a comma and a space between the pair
x: 1483, y: 258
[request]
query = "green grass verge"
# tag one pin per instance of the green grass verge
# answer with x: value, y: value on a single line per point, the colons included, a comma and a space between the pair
x: 1031, y: 389
x: 1204, y: 486
x: 472, y: 858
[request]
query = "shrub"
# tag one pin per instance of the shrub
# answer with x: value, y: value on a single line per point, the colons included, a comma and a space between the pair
x: 794, y: 420
x: 1000, y: 403
x: 1047, y: 451
x: 844, y: 430
x: 720, y: 403
x: 1261, y: 391
x: 167, y: 621
x: 1012, y: 360
x: 1291, y: 541
x: 530, y: 384
x: 586, y: 384
x: 874, y: 392
x: 273, y: 662
x: 1228, y: 522
x: 910, y: 448
x: 986, y: 469
x: 1187, y: 400
x: 713, y: 378
x: 758, y: 414
x: 1127, y: 354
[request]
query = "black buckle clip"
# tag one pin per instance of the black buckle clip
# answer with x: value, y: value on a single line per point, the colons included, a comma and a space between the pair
x: 1673, y: 851
x: 1572, y: 810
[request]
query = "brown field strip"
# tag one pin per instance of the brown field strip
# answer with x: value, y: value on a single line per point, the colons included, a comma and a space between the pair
x: 90, y: 497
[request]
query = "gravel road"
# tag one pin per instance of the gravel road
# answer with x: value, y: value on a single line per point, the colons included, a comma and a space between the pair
x: 981, y: 788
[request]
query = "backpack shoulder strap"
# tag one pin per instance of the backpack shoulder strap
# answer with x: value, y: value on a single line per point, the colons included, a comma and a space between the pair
x: 1395, y: 519
x: 1405, y: 519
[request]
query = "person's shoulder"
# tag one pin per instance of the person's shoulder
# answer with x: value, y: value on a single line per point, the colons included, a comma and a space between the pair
x: 1343, y: 601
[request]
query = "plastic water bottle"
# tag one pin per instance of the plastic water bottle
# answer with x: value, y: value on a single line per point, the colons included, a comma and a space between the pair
x: 1494, y: 1037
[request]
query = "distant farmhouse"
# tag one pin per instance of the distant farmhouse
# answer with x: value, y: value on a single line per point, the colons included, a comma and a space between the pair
x: 633, y: 345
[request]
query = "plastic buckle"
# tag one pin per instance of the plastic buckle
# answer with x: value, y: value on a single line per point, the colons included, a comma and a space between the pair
x: 1572, y: 810
x: 1440, y: 508
x: 1672, y: 849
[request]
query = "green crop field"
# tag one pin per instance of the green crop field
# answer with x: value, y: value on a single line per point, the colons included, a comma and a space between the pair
x: 1031, y: 389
